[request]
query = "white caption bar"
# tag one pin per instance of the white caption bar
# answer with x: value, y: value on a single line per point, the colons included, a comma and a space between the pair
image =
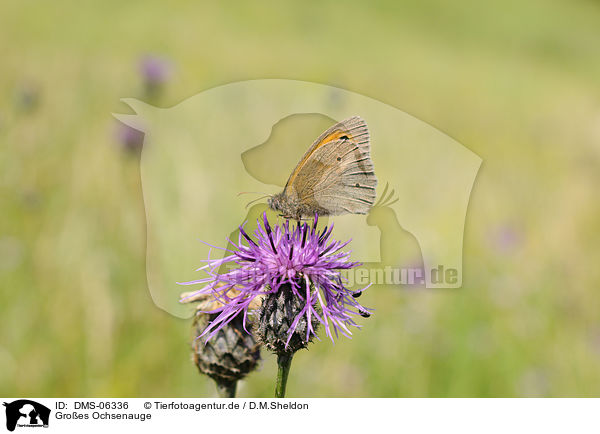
x: 45, y: 415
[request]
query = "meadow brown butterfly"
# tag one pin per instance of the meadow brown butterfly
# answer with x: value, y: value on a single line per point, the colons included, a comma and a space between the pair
x: 335, y: 176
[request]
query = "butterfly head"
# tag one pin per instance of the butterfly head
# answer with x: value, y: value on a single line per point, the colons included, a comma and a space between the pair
x: 287, y: 208
x: 278, y: 202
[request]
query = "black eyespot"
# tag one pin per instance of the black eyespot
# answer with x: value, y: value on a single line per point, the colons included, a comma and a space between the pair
x: 357, y: 294
x: 365, y: 314
x: 344, y: 137
x: 357, y: 185
x: 339, y: 158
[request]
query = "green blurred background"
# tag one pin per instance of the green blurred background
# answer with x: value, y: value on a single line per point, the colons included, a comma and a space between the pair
x: 518, y: 83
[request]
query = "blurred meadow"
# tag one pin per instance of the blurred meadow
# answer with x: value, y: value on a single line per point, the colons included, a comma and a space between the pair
x: 518, y: 83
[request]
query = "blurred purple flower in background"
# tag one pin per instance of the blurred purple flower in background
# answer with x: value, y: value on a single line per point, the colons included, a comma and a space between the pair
x: 130, y: 139
x: 301, y: 260
x: 156, y: 71
x: 506, y: 238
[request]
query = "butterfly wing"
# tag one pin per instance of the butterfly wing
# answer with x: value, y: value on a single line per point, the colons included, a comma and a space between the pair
x: 336, y: 175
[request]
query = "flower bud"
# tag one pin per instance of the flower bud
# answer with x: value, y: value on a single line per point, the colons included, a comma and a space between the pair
x: 276, y: 315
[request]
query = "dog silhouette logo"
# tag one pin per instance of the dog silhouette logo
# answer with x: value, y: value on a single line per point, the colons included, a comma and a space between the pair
x: 26, y: 413
x: 199, y: 155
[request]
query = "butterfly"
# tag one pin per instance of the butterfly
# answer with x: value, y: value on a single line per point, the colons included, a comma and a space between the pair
x: 335, y: 176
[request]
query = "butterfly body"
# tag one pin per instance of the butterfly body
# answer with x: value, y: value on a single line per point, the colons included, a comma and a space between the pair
x: 335, y: 176
x: 292, y: 208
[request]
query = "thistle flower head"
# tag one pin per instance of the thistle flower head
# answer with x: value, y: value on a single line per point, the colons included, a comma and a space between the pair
x: 299, y: 259
x: 231, y: 355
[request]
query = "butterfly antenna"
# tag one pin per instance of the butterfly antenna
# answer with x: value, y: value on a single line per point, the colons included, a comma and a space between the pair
x: 256, y: 200
x: 251, y: 192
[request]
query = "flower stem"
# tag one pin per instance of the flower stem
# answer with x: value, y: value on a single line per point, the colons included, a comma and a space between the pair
x: 284, y: 362
x: 226, y: 389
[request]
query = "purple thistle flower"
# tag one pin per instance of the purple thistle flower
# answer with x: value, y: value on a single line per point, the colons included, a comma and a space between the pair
x: 301, y: 260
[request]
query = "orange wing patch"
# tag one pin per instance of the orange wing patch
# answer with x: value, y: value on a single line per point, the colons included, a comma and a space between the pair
x: 334, y: 136
x: 330, y: 138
